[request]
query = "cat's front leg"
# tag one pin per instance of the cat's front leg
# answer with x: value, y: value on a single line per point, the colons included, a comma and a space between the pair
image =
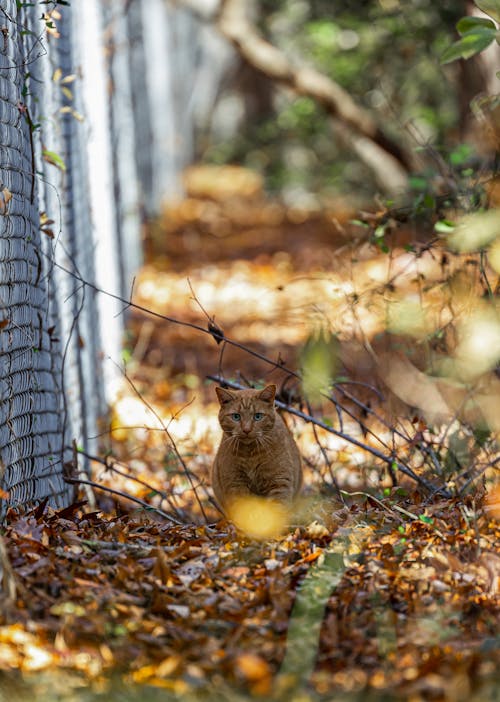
x: 283, y: 492
x: 231, y: 492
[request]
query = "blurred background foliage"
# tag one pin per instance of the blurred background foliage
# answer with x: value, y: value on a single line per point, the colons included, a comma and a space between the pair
x: 386, y: 54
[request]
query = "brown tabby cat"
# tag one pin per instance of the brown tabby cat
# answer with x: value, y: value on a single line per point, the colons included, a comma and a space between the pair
x: 257, y: 454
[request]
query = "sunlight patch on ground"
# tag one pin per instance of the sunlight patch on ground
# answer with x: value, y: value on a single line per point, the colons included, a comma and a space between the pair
x: 271, y: 302
x: 190, y: 424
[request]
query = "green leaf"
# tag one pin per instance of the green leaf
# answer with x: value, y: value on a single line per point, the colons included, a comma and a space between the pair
x: 429, y: 201
x: 490, y: 7
x: 418, y: 182
x: 426, y: 520
x: 126, y: 355
x: 481, y: 435
x: 466, y: 24
x: 444, y: 226
x: 54, y: 159
x: 461, y: 154
x: 470, y: 44
x: 319, y: 363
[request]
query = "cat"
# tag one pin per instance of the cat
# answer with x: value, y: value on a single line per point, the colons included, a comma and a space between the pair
x: 257, y: 454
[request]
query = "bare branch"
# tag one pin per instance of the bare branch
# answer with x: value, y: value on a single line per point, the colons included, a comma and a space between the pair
x: 173, y: 320
x: 105, y: 488
x: 170, y: 438
x: 110, y: 465
x: 353, y: 124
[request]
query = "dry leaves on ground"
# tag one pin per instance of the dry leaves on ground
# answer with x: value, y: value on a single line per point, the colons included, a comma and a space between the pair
x: 413, y: 606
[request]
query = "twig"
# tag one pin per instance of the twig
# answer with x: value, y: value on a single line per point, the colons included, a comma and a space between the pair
x: 477, y: 474
x: 366, y: 409
x: 172, y: 320
x: 196, y: 299
x: 374, y: 499
x: 105, y: 488
x: 112, y: 467
x: 170, y: 438
x: 326, y: 458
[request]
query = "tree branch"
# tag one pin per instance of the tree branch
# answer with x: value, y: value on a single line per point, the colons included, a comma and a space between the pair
x: 353, y: 124
x: 124, y: 495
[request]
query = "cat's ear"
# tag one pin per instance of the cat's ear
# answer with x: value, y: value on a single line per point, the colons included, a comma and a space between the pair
x: 268, y: 394
x: 224, y: 395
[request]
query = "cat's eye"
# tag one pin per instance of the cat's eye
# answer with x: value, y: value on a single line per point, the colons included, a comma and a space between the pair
x: 258, y: 416
x: 236, y: 417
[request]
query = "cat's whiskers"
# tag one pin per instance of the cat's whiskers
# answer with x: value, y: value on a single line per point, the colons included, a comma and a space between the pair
x: 234, y: 442
x: 263, y: 439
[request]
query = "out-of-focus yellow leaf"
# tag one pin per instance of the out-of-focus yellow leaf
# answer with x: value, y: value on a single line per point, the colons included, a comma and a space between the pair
x: 118, y: 431
x: 258, y: 517
x: 413, y: 386
x: 475, y: 231
x: 67, y: 608
x: 168, y: 665
x: 252, y: 666
x: 406, y: 316
x: 144, y: 673
x: 478, y: 348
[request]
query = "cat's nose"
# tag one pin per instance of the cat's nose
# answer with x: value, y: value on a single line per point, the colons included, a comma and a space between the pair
x: 246, y: 428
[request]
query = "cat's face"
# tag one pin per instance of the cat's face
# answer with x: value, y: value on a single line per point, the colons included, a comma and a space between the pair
x: 247, y: 415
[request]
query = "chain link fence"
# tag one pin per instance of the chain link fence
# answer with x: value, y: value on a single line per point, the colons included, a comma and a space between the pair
x: 49, y: 347
x: 99, y: 102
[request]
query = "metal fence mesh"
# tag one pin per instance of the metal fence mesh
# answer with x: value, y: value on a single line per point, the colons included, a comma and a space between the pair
x: 54, y: 218
x: 50, y: 376
x: 30, y: 412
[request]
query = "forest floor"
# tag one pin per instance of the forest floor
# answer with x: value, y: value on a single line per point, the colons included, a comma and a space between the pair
x: 379, y: 591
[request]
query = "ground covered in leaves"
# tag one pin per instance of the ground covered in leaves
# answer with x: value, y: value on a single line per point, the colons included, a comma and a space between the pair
x: 384, y: 602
